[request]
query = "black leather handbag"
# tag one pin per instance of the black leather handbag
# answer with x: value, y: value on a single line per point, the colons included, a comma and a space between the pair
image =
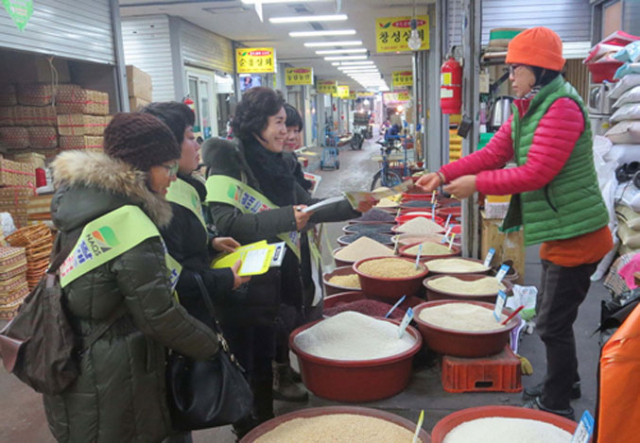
x: 207, y: 393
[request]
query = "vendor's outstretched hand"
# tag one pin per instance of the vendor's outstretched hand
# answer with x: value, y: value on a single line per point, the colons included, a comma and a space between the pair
x: 365, y: 206
x: 462, y: 187
x: 224, y: 244
x: 238, y: 280
x: 429, y: 182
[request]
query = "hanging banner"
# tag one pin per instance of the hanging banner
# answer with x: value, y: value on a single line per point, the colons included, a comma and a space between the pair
x: 395, y: 97
x: 298, y: 76
x: 20, y: 11
x: 392, y: 33
x: 327, y: 87
x: 364, y: 94
x: 342, y: 92
x: 255, y: 60
x: 402, y: 79
x: 352, y: 95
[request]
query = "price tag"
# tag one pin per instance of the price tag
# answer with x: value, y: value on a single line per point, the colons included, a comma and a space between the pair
x: 500, y: 302
x: 584, y: 430
x: 405, y: 322
x: 433, y: 211
x: 502, y: 272
x: 448, y: 221
x: 489, y: 257
x: 433, y: 197
x: 446, y: 234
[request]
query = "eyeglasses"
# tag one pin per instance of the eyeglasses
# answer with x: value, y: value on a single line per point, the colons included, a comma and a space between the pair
x: 512, y: 69
x: 172, y: 170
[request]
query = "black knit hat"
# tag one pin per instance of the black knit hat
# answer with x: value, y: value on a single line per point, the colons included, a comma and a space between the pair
x: 141, y: 140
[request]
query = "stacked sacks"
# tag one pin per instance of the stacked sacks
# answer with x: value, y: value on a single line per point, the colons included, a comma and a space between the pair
x: 13, y: 281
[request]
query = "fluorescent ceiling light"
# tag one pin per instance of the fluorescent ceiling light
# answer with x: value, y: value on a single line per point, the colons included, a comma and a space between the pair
x: 309, y: 18
x: 367, y: 62
x: 342, y: 51
x: 329, y: 44
x: 357, y: 68
x: 338, y: 58
x: 335, y: 63
x: 253, y: 2
x: 322, y: 33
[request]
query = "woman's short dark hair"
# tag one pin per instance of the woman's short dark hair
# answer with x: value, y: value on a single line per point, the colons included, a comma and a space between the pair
x: 293, y: 117
x: 544, y: 76
x: 253, y: 112
x: 177, y: 116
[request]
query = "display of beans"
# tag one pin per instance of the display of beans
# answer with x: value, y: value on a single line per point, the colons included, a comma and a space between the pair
x: 368, y: 229
x: 372, y: 308
x: 376, y: 215
x: 417, y: 204
x: 385, y: 239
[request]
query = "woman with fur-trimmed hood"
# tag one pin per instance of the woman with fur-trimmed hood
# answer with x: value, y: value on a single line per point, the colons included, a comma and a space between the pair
x: 120, y: 393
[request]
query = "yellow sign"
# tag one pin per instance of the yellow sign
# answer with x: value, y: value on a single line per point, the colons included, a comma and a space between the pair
x: 327, y: 87
x: 255, y: 60
x: 365, y: 94
x: 398, y: 96
x: 392, y: 33
x: 343, y: 92
x: 402, y: 79
x: 298, y: 76
x: 352, y: 95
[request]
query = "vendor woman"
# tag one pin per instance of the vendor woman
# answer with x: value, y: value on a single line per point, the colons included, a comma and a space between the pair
x: 555, y: 197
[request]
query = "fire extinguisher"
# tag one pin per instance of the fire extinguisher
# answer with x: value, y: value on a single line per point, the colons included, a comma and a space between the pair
x: 451, y: 87
x: 190, y: 103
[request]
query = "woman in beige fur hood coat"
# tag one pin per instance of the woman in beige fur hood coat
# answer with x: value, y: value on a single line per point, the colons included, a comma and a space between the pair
x: 120, y: 394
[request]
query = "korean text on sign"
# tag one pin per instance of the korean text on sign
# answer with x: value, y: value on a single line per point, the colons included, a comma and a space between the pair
x: 392, y: 33
x: 255, y: 60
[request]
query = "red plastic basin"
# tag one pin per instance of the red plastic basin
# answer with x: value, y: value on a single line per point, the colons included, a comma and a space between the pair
x: 329, y: 410
x: 455, y: 251
x: 447, y: 424
x: 356, y: 381
x: 331, y: 289
x: 455, y: 211
x: 464, y: 344
x: 390, y: 288
x: 436, y: 294
x: 348, y: 297
x: 460, y: 273
x: 411, y: 196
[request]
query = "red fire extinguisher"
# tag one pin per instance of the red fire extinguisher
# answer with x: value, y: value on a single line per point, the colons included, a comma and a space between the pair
x: 451, y: 87
x: 190, y: 103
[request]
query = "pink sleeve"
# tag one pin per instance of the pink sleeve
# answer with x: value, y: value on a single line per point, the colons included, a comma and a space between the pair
x: 495, y: 155
x: 553, y: 142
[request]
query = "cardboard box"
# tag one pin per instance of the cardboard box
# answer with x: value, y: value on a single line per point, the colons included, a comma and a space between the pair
x: 136, y: 103
x: 139, y: 83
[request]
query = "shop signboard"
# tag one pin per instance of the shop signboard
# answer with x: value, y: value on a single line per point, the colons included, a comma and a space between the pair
x: 352, y: 95
x: 20, y: 11
x: 365, y: 94
x: 402, y: 79
x: 255, y: 60
x: 395, y: 97
x: 298, y: 76
x: 392, y: 33
x: 342, y: 92
x: 327, y: 87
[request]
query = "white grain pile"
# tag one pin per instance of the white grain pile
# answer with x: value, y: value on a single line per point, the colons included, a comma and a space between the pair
x: 465, y: 317
x: 409, y: 239
x: 337, y: 428
x: 506, y: 430
x: 429, y: 248
x: 387, y: 203
x: 420, y: 226
x: 362, y: 248
x: 353, y: 336
x: 485, y: 285
x: 455, y: 265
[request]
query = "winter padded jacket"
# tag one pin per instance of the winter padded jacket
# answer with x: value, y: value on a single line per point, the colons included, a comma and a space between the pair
x: 120, y: 394
x: 258, y: 304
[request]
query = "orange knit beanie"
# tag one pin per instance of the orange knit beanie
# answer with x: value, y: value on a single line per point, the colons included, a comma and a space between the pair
x: 538, y: 46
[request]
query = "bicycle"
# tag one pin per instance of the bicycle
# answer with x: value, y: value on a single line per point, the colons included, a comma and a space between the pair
x: 386, y: 176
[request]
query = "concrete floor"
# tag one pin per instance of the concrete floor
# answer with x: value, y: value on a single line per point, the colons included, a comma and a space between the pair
x: 22, y: 416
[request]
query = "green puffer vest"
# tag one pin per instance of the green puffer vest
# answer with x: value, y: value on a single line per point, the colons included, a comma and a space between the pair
x: 571, y: 204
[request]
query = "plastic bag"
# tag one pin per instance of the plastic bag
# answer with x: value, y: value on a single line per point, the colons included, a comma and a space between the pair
x: 630, y: 53
x: 625, y: 133
x: 630, y: 96
x: 600, y: 50
x: 630, y: 111
x: 627, y: 82
x: 523, y: 296
x: 626, y: 69
x: 621, y: 154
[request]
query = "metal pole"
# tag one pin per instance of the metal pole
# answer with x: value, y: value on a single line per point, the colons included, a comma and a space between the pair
x: 435, y: 130
x: 118, y: 49
x: 471, y: 106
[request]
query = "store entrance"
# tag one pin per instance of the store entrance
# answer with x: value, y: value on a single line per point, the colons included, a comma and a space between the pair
x: 202, y: 92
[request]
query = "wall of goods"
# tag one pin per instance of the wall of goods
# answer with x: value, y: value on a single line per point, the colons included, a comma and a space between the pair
x: 46, y: 107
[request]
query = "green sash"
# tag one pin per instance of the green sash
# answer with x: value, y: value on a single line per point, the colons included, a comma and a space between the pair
x: 227, y: 190
x: 110, y: 236
x: 182, y: 193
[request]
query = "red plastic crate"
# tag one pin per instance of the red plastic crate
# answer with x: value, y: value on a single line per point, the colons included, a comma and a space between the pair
x: 498, y: 373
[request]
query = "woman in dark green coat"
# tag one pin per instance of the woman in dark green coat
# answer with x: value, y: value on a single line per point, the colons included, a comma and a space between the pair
x: 120, y: 393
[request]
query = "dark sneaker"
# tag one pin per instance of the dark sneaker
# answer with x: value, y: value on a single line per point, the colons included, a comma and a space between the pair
x: 536, y: 391
x: 536, y: 403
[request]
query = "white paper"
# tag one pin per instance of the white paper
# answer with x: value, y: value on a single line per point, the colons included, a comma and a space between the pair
x: 253, y: 262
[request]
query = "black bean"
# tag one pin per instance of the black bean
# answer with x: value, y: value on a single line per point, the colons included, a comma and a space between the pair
x: 369, y: 229
x: 376, y: 215
x: 384, y: 239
